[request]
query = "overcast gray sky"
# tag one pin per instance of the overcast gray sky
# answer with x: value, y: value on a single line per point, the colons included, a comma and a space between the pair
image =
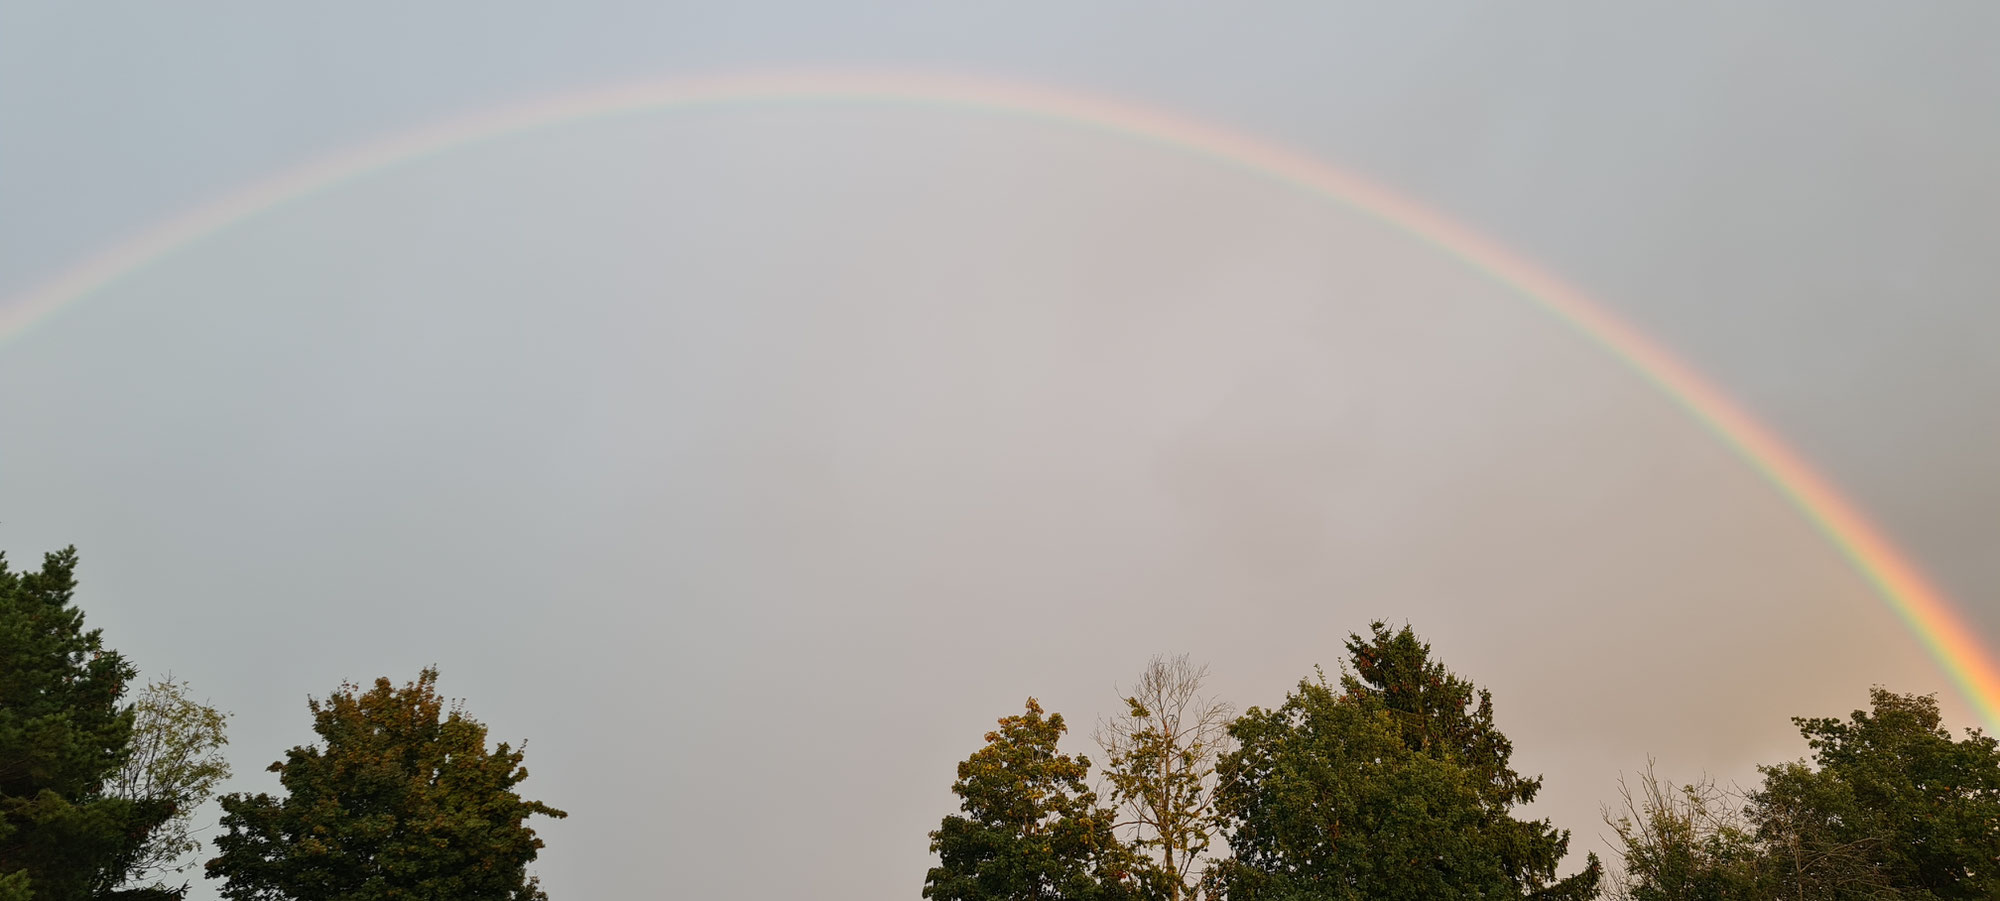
x: 749, y: 462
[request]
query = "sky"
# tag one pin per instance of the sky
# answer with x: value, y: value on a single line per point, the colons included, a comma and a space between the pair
x: 749, y: 461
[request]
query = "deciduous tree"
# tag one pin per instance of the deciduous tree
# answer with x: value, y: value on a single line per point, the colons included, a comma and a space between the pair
x: 1891, y: 800
x: 176, y: 763
x: 403, y: 801
x: 1031, y: 827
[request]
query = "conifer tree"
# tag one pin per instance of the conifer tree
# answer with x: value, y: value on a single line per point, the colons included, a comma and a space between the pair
x: 1395, y: 786
x: 63, y: 735
x: 1448, y: 719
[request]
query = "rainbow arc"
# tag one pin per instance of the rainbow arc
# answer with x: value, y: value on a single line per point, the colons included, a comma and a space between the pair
x: 1931, y: 618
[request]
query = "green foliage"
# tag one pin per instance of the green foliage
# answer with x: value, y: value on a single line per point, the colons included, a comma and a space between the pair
x: 1441, y: 719
x: 1814, y: 842
x: 1031, y: 828
x: 176, y: 762
x: 1890, y: 807
x: 403, y: 802
x: 1894, y: 803
x: 1323, y: 800
x: 14, y: 887
x: 63, y: 735
x: 1389, y: 788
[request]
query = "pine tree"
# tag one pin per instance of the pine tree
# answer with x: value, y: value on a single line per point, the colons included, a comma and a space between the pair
x: 1448, y: 719
x: 63, y: 735
x: 1394, y: 787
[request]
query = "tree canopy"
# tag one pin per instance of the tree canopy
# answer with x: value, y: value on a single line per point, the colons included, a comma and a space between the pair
x: 1890, y: 806
x: 1391, y: 783
x: 1323, y: 800
x: 1031, y: 827
x: 1395, y: 786
x: 1922, y: 808
x: 404, y: 801
x: 1448, y: 719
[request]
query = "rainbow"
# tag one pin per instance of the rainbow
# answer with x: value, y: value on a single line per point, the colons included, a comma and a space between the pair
x: 1955, y: 646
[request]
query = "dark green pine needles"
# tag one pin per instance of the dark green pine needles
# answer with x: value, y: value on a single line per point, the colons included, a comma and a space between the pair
x: 63, y: 736
x: 1392, y: 786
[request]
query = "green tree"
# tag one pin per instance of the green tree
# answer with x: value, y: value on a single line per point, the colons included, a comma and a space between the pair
x: 1322, y: 800
x: 176, y: 762
x: 404, y: 801
x: 63, y: 736
x: 1032, y: 830
x: 1394, y: 786
x: 1894, y: 802
x: 1450, y: 720
x: 1816, y: 843
x: 1160, y: 763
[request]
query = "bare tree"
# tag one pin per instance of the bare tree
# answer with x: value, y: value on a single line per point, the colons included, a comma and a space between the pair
x: 1160, y: 765
x: 1681, y: 842
x: 1701, y: 841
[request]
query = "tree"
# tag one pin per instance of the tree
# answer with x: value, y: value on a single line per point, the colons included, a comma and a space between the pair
x: 1440, y: 719
x: 1031, y: 828
x: 1322, y: 800
x: 1890, y: 807
x: 1684, y: 843
x: 176, y: 762
x: 63, y: 736
x: 1388, y: 788
x: 1160, y: 763
x: 1815, y: 844
x: 403, y: 801
x: 1894, y: 803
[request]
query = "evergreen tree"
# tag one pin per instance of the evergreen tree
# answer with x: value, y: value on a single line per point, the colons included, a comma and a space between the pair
x: 1031, y: 831
x: 63, y: 735
x: 1448, y: 719
x: 1396, y: 786
x: 1322, y: 800
x: 404, y: 801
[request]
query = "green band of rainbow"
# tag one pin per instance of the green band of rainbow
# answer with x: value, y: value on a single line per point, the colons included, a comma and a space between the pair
x: 1946, y: 635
